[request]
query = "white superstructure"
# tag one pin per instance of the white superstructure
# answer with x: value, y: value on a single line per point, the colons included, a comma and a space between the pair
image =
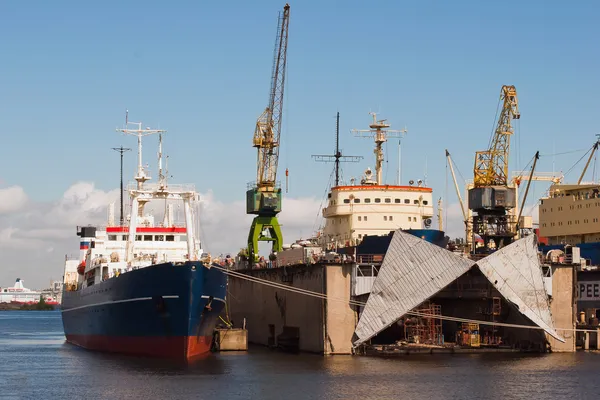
x: 106, y: 252
x: 372, y: 208
x: 356, y: 211
x: 19, y: 294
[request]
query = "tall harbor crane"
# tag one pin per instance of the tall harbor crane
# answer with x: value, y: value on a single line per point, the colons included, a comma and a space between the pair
x: 263, y: 197
x: 491, y: 198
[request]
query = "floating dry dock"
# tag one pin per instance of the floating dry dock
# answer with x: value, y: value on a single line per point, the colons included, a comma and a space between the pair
x: 495, y: 296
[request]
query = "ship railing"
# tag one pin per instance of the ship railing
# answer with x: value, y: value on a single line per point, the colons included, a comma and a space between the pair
x: 150, y: 187
x: 254, y: 185
x: 144, y: 225
x: 369, y: 258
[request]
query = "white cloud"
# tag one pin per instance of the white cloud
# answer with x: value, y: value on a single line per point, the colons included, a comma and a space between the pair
x: 454, y: 221
x: 12, y: 199
x: 225, y: 226
x: 34, y: 239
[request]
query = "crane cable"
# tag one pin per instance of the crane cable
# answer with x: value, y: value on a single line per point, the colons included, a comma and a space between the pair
x: 578, y: 161
x: 323, y: 296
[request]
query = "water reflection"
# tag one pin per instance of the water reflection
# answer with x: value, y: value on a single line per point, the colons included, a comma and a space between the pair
x: 48, y: 367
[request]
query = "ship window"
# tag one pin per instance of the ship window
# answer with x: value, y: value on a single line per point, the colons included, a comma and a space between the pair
x: 406, y: 201
x: 357, y: 200
x: 409, y: 219
x: 391, y: 218
x: 329, y: 195
x: 138, y: 237
x: 388, y: 200
x: 170, y: 238
x: 359, y: 217
x: 367, y: 200
x: 385, y: 217
x: 160, y: 238
x: 365, y: 217
x: 112, y: 237
x: 377, y: 200
x: 425, y: 202
x: 346, y: 201
x: 415, y: 201
x: 397, y: 200
x: 124, y: 237
x: 148, y: 238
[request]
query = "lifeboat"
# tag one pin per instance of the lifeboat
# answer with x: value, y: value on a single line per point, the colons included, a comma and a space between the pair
x: 81, y: 268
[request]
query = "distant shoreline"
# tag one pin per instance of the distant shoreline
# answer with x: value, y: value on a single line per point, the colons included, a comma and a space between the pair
x: 27, y: 307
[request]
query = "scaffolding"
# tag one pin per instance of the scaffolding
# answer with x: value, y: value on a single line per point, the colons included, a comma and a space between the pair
x: 468, y: 335
x: 491, y: 335
x: 425, y: 330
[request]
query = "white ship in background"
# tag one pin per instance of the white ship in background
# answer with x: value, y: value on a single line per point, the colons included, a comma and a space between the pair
x: 18, y: 293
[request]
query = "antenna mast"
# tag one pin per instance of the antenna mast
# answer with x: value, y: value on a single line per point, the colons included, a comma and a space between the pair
x: 380, y: 134
x: 141, y: 176
x: 337, y: 157
x: 121, y: 150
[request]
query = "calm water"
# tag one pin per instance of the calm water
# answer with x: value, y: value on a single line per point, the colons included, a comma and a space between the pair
x: 36, y: 363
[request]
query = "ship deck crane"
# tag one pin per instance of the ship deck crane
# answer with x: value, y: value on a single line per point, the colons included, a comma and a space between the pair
x: 263, y: 197
x: 587, y: 164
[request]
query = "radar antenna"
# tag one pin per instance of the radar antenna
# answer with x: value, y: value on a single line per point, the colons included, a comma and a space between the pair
x: 337, y: 157
x: 380, y: 133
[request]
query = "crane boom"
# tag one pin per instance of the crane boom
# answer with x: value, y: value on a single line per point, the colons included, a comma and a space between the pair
x: 268, y: 125
x: 460, y: 200
x: 491, y: 166
x: 587, y: 164
x: 263, y: 197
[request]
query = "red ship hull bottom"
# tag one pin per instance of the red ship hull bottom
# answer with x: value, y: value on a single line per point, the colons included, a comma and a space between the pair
x: 175, y: 347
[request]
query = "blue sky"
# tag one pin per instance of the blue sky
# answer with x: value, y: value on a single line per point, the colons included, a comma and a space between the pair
x: 202, y: 70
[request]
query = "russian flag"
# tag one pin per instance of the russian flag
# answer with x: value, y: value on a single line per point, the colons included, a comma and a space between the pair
x: 84, y: 245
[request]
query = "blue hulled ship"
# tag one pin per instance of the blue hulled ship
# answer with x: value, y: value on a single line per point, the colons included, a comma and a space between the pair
x: 144, y: 287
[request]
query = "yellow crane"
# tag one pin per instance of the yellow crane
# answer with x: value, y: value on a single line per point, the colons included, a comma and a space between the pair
x: 263, y: 197
x: 491, y: 197
x: 491, y: 166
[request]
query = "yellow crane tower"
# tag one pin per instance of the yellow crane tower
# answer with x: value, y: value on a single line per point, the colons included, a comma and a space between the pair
x: 263, y: 197
x: 491, y: 198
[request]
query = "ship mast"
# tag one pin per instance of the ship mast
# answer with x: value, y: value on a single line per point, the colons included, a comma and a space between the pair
x: 337, y: 157
x: 142, y: 175
x: 121, y: 150
x: 379, y: 132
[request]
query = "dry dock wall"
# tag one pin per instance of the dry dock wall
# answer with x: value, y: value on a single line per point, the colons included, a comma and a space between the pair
x: 563, y: 307
x: 323, y: 327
